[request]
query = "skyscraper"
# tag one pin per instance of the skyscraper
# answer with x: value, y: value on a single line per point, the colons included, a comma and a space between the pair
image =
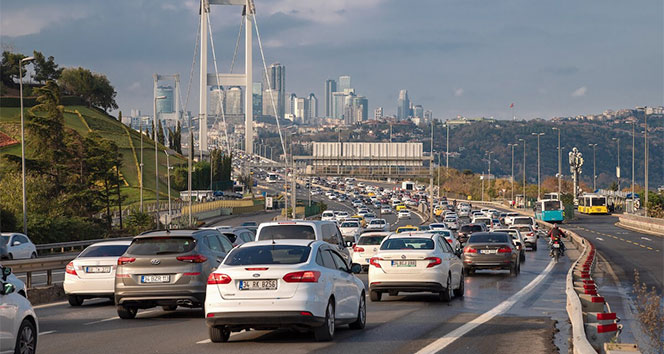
x: 290, y: 104
x: 313, y: 107
x: 338, y: 105
x: 257, y: 99
x: 277, y: 83
x: 165, y: 105
x: 378, y: 113
x: 234, y: 101
x: 418, y: 111
x: 216, y: 101
x: 344, y: 83
x: 403, y: 105
x: 330, y: 88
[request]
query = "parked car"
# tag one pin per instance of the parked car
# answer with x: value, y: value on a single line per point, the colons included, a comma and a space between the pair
x: 466, y: 230
x: 168, y: 269
x: 284, y: 283
x: 20, y: 326
x: 17, y: 246
x: 417, y: 262
x: 92, y: 273
x: 490, y: 250
x: 367, y: 246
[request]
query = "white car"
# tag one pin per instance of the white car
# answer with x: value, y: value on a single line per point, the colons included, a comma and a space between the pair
x: 342, y: 215
x: 18, y: 246
x: 403, y: 214
x: 483, y: 220
x: 350, y: 228
x: 438, y: 226
x: 385, y: 209
x: 92, y: 273
x: 529, y: 235
x: 20, y: 325
x: 421, y: 262
x: 284, y: 283
x: 367, y: 247
x: 378, y: 225
x: 525, y: 220
x: 517, y: 240
x: 369, y: 216
x: 509, y: 218
x: 451, y: 222
x: 449, y: 237
x: 328, y: 215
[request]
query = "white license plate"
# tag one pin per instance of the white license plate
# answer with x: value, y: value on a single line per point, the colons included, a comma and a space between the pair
x: 268, y: 284
x: 97, y: 269
x: 404, y: 263
x: 488, y: 251
x: 556, y: 245
x: 155, y: 279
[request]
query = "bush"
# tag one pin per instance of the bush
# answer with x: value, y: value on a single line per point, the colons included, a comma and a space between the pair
x: 138, y: 222
x: 7, y: 221
x: 49, y: 229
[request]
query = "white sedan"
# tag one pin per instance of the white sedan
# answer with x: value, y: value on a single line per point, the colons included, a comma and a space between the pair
x: 284, y: 284
x: 367, y: 247
x: 350, y: 228
x: 417, y: 262
x: 378, y: 225
x: 19, y: 322
x: 92, y: 273
x: 403, y: 214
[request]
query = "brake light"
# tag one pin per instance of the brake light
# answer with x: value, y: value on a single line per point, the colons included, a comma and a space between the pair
x: 374, y: 261
x: 194, y: 258
x: 504, y: 250
x: 70, y: 269
x: 263, y: 268
x: 307, y: 276
x: 433, y: 261
x: 449, y: 240
x: 126, y: 260
x: 218, y: 278
x: 358, y: 249
x: 469, y: 250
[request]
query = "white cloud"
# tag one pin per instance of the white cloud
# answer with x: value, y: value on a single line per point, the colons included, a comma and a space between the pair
x: 135, y: 86
x: 32, y: 20
x: 458, y: 92
x: 322, y: 11
x: 580, y: 92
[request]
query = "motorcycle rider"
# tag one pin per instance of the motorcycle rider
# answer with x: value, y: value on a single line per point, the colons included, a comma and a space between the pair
x: 556, y: 234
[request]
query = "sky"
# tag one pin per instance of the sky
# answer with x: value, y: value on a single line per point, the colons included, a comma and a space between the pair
x: 455, y: 57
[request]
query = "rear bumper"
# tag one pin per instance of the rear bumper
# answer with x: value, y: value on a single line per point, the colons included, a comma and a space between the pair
x: 264, y: 319
x: 507, y: 264
x: 147, y: 300
x: 407, y: 286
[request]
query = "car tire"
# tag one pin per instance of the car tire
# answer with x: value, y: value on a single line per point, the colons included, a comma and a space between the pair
x: 219, y: 334
x: 375, y: 295
x: 522, y: 256
x: 33, y: 255
x: 462, y: 287
x: 169, y: 308
x: 534, y: 246
x: 10, y: 256
x: 26, y: 340
x: 361, y: 314
x: 467, y: 271
x: 448, y: 293
x: 126, y: 313
x: 514, y: 270
x: 75, y: 300
x: 325, y: 333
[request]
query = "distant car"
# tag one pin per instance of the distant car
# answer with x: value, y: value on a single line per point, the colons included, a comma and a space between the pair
x: 449, y: 236
x: 328, y: 215
x: 407, y: 228
x: 488, y: 222
x: 342, y: 215
x: 350, y: 228
x: 509, y: 218
x: 250, y: 225
x: 529, y: 235
x: 92, y: 273
x: 20, y: 327
x: 367, y: 246
x: 490, y: 250
x: 369, y: 216
x: 525, y: 220
x: 237, y: 235
x: 17, y: 246
x: 385, y: 209
x: 403, y: 214
x: 517, y: 240
x: 451, y: 222
x: 284, y: 283
x: 378, y: 225
x: 466, y: 230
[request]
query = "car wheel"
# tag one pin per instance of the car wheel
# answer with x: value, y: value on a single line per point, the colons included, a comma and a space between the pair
x: 10, y: 256
x: 534, y: 246
x: 169, y: 307
x: 75, y: 300
x: 26, y: 341
x: 33, y: 255
x: 522, y: 256
x: 325, y: 332
x: 375, y: 295
x: 514, y: 270
x: 219, y: 334
x: 467, y: 271
x: 447, y: 293
x: 126, y: 313
x: 361, y: 314
x: 462, y: 287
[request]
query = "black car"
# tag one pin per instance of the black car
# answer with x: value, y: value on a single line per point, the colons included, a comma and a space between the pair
x: 466, y: 230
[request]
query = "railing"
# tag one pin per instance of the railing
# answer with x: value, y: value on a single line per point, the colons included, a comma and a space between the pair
x: 47, y: 264
x: 72, y: 245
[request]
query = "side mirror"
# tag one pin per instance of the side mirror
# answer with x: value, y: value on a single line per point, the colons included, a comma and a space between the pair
x: 6, y: 271
x: 458, y: 252
x: 356, y: 268
x: 348, y: 243
x: 7, y: 288
x: 16, y: 243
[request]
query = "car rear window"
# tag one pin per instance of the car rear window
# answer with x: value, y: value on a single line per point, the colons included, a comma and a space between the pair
x: 470, y: 228
x: 268, y: 254
x: 104, y: 251
x: 350, y: 224
x: 493, y: 237
x: 370, y: 240
x: 522, y: 221
x: 281, y: 232
x: 151, y: 246
x: 523, y: 228
x: 407, y: 243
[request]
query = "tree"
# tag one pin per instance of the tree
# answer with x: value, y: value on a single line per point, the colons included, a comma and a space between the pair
x: 9, y: 67
x: 103, y: 161
x: 94, y: 88
x: 45, y: 69
x: 120, y: 116
x: 161, y: 138
x: 177, y: 144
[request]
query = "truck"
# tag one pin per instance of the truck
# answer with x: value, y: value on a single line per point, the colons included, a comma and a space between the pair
x: 408, y: 185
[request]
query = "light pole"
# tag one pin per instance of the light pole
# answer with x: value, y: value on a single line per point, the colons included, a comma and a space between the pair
x: 645, y: 140
x: 633, y: 139
x: 20, y: 81
x: 156, y: 156
x: 512, y: 146
x: 617, y: 140
x: 168, y: 175
x: 489, y: 176
x: 140, y: 182
x: 447, y: 151
x: 524, y: 172
x: 439, y: 176
x: 560, y: 162
x: 538, y: 163
x: 594, y: 146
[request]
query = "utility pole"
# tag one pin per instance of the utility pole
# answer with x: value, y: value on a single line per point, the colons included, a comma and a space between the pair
x: 447, y: 151
x: 594, y: 146
x: 156, y: 151
x: 431, y: 175
x: 168, y: 175
x: 633, y: 149
x: 438, y: 175
x: 189, y: 167
x: 524, y: 172
x: 512, y: 179
x: 560, y: 171
x: 25, y: 203
x: 645, y: 139
x: 617, y: 140
x: 538, y: 163
x: 140, y: 170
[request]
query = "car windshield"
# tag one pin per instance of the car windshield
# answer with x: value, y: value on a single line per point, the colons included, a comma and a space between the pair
x: 552, y: 205
x: 280, y: 232
x: 493, y: 237
x: 104, y: 251
x: 150, y: 246
x: 268, y: 254
x: 5, y: 239
x: 407, y: 243
x: 370, y: 240
x: 349, y: 224
x: 377, y: 222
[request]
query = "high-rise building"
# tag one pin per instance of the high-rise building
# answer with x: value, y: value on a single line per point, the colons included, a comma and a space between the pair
x: 330, y: 88
x: 268, y: 97
x: 403, y: 105
x: 277, y: 83
x: 301, y: 109
x: 344, y: 83
x: 257, y: 99
x: 233, y: 103
x: 428, y: 116
x: 418, y: 111
x: 216, y: 101
x: 165, y: 105
x: 313, y: 107
x: 338, y: 104
x: 290, y: 104
x: 378, y: 113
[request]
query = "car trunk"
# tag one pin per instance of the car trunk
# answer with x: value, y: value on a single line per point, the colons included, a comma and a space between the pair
x: 258, y: 282
x: 404, y: 261
x: 95, y: 267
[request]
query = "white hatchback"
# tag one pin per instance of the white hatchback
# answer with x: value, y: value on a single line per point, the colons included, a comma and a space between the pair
x: 421, y: 262
x: 92, y: 273
x: 20, y: 326
x: 403, y: 214
x: 299, y: 284
x: 367, y: 247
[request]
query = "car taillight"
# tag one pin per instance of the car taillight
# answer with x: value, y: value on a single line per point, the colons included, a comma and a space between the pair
x: 70, y: 269
x: 504, y: 250
x: 126, y: 260
x: 374, y: 261
x: 449, y: 240
x: 469, y: 250
x: 358, y: 249
x: 433, y: 261
x: 307, y: 276
x: 194, y: 258
x: 218, y: 278
x: 530, y: 234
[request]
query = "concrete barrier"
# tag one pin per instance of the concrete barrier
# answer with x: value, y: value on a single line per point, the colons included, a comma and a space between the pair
x: 641, y: 223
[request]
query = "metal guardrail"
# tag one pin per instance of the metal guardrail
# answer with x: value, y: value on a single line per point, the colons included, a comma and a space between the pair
x: 72, y: 245
x: 47, y: 264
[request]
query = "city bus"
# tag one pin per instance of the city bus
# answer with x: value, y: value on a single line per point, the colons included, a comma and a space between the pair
x: 549, y: 210
x: 592, y: 204
x: 272, y: 178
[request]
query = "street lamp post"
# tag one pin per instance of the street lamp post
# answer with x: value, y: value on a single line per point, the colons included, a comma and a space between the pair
x: 156, y: 155
x: 594, y: 146
x: 512, y: 179
x: 633, y: 140
x: 447, y: 151
x: 20, y: 81
x: 489, y: 175
x: 524, y: 172
x: 617, y: 140
x: 538, y: 164
x: 645, y: 140
x: 140, y: 182
x: 168, y: 175
x: 560, y: 162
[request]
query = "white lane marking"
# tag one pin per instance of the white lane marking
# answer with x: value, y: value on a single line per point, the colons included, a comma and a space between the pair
x: 45, y: 333
x: 50, y: 305
x: 104, y: 320
x: 205, y: 341
x: 449, y: 338
x: 645, y: 238
x: 599, y: 238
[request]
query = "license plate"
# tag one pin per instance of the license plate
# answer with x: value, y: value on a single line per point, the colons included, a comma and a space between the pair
x: 155, y: 279
x: 269, y: 284
x: 97, y: 269
x: 404, y: 263
x: 488, y: 251
x: 555, y: 245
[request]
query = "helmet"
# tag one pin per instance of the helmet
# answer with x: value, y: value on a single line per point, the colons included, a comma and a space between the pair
x: 555, y: 226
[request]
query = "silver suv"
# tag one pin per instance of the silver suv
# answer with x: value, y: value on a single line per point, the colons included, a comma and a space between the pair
x: 168, y: 269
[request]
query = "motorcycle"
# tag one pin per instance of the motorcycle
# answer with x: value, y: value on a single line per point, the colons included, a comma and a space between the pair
x: 555, y: 250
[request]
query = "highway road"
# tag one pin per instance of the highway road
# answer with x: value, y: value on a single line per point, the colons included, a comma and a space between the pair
x: 400, y: 324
